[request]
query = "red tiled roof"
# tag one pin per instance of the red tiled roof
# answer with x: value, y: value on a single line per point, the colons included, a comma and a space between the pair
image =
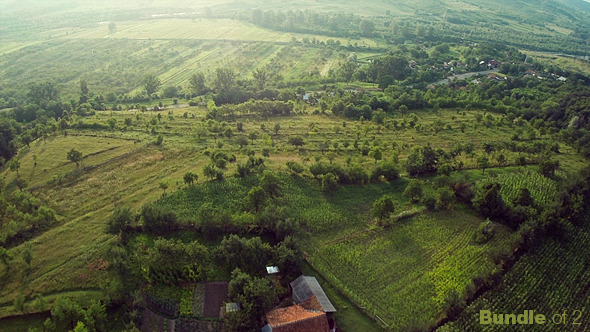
x: 297, y: 319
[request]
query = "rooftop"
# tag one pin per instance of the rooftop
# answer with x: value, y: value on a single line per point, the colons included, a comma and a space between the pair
x: 296, y: 319
x: 305, y: 287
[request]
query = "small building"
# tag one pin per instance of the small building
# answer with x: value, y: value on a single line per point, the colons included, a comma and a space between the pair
x: 493, y: 64
x: 561, y: 78
x: 232, y: 307
x: 306, y: 288
x: 272, y: 269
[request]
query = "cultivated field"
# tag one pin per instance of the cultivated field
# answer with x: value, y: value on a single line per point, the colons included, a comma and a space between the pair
x: 552, y: 280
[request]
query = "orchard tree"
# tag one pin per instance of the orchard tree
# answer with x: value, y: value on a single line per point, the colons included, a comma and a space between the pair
x: 383, y: 207
x: 197, y: 83
x: 271, y: 184
x: 120, y: 220
x: 190, y: 178
x: 225, y: 78
x: 74, y: 156
x: 329, y: 183
x: 483, y: 162
x: 376, y: 153
x: 488, y: 200
x: 253, y: 136
x: 414, y: 191
x: 261, y: 77
x: 151, y: 84
x: 164, y: 186
x: 255, y: 199
x: 548, y: 167
x: 14, y: 165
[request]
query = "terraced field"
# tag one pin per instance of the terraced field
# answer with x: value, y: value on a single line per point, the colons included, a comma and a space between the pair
x: 204, y: 28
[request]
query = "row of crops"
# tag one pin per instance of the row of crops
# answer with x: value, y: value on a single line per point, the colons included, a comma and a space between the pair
x: 407, y: 272
x: 553, y: 281
x: 542, y: 189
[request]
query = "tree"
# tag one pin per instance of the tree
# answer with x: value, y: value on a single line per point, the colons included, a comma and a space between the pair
x: 190, y: 178
x: 348, y: 70
x: 382, y: 207
x: 255, y: 199
x: 170, y: 92
x: 329, y: 183
x: 120, y: 220
x: 197, y: 83
x: 444, y: 198
x: 389, y: 171
x: 28, y: 253
x: 159, y: 140
x: 256, y: 296
x: 260, y: 76
x: 5, y: 257
x: 385, y: 81
x: 84, y: 91
x: 151, y: 84
x: 14, y: 165
x: 483, y: 162
x: 277, y: 128
x: 242, y: 141
x: 524, y: 198
x: 74, y: 156
x: 19, y: 302
x: 164, y: 186
x: 488, y: 200
x: 271, y: 184
x: 225, y: 78
x: 413, y: 191
x: 367, y: 27
x: 112, y: 123
x: 547, y: 167
x: 376, y: 153
x: 112, y: 27
x: 296, y: 141
x: 80, y: 327
x: 200, y: 131
x: 501, y: 159
x: 210, y: 171
x: 294, y: 167
x: 253, y: 136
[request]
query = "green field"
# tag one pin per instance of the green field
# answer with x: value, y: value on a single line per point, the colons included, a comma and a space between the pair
x: 551, y: 280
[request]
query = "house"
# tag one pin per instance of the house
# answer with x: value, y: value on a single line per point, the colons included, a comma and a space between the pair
x: 493, y: 64
x: 413, y: 64
x: 296, y: 318
x: 529, y: 73
x: 312, y: 311
x: 305, y: 288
